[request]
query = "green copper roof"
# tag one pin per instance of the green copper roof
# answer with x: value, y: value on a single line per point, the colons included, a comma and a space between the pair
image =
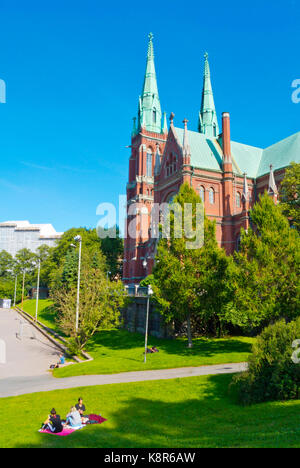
x: 280, y: 154
x: 149, y: 114
x: 245, y: 158
x: 206, y: 153
x: 208, y: 122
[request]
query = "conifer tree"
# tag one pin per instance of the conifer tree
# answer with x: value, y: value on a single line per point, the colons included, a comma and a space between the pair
x: 290, y: 194
x: 265, y: 277
x: 189, y: 283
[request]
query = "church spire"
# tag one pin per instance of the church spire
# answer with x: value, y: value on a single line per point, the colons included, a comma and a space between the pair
x: 272, y: 188
x: 149, y: 115
x: 208, y: 122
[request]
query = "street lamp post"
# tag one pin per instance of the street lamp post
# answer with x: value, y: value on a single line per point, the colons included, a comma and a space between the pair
x: 23, y: 286
x: 15, y: 294
x: 37, y: 290
x: 78, y: 239
x: 150, y: 292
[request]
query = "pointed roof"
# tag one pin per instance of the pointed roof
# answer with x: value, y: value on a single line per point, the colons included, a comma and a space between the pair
x: 272, y: 188
x: 149, y: 115
x: 157, y: 160
x: 208, y: 122
x: 185, y: 144
x: 245, y: 188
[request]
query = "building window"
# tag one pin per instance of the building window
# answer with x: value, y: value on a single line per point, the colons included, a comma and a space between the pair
x: 149, y: 164
x: 211, y: 196
x: 215, y: 130
x: 154, y: 115
x: 202, y: 193
x: 238, y: 199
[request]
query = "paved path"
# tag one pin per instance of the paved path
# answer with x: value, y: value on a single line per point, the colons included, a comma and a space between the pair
x: 28, y: 352
x: 22, y: 385
x: 30, y: 355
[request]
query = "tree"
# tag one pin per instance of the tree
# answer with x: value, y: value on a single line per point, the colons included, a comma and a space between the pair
x: 190, y: 284
x: 273, y: 374
x: 265, y: 276
x: 290, y: 194
x: 6, y: 264
x: 100, y: 302
x: 113, y: 248
x: 25, y: 261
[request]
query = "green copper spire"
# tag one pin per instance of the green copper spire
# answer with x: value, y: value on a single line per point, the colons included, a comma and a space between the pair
x: 149, y: 115
x: 208, y: 122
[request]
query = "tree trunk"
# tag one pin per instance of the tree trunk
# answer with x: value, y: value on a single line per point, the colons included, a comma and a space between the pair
x: 189, y: 331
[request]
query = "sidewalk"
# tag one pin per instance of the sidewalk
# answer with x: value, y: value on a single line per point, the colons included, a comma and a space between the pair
x: 14, y: 386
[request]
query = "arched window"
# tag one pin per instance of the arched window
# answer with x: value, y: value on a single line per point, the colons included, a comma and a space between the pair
x: 238, y: 199
x: 149, y: 163
x: 214, y: 130
x: 211, y: 196
x: 202, y: 193
x: 174, y: 163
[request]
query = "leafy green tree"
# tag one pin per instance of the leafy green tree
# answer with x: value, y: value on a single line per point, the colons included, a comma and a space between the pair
x: 90, y: 241
x: 25, y: 261
x: 272, y: 372
x: 113, y: 248
x: 100, y: 302
x: 265, y: 276
x: 7, y: 264
x: 290, y: 194
x: 7, y: 289
x: 190, y: 284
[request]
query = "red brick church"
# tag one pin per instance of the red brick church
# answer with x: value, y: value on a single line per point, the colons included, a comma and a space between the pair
x: 228, y: 176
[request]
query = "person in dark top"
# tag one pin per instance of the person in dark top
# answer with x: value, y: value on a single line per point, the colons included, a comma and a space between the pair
x: 80, y: 407
x: 53, y: 422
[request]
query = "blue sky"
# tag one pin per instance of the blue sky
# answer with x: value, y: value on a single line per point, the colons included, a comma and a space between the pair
x: 74, y: 71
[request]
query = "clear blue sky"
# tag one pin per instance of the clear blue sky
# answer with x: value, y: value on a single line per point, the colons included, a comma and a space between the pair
x: 74, y: 71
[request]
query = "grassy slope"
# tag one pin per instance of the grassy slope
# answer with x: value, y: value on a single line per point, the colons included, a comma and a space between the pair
x: 190, y: 412
x: 120, y: 351
x: 46, y: 315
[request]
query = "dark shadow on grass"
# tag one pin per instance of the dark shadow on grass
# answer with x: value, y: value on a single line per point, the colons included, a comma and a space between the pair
x: 122, y: 340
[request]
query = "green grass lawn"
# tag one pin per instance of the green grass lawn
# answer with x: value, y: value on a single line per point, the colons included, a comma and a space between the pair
x: 117, y: 351
x: 46, y: 313
x: 190, y: 412
x: 121, y: 351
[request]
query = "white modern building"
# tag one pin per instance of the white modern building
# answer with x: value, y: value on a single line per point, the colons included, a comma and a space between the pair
x: 17, y: 235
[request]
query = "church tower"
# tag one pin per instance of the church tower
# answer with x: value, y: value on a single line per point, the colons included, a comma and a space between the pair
x: 148, y: 139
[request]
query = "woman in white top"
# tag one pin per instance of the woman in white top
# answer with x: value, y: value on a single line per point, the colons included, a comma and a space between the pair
x: 74, y: 418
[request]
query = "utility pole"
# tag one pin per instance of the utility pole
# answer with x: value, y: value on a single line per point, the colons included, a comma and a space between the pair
x: 15, y: 294
x: 37, y: 291
x: 23, y: 285
x: 78, y: 239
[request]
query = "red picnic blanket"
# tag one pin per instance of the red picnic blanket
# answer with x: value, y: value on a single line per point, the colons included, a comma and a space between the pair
x: 96, y: 418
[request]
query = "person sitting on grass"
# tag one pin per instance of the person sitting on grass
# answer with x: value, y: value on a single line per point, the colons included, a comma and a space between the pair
x: 80, y: 406
x: 152, y: 350
x: 53, y: 422
x: 62, y: 359
x: 74, y: 418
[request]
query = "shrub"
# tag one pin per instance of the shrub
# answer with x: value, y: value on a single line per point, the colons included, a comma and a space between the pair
x: 272, y: 375
x: 7, y: 290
